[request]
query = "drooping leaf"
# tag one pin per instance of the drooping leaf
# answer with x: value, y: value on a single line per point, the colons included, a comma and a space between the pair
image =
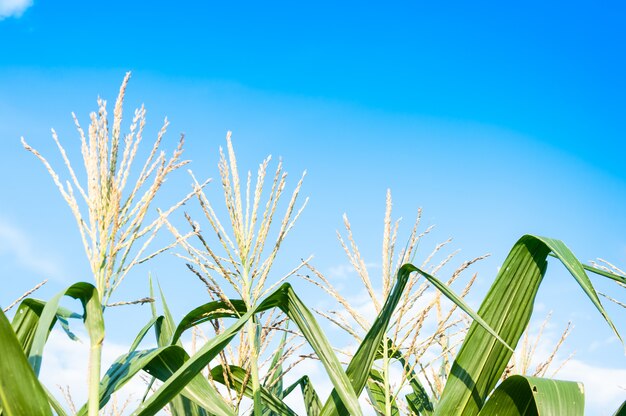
x: 358, y: 370
x: 285, y: 299
x: 92, y: 317
x: 26, y: 320
x: 506, y: 308
x: 528, y: 396
x: 208, y: 312
x: 361, y: 362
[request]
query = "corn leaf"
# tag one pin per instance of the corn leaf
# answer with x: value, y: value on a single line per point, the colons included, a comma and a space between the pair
x: 26, y: 319
x: 361, y: 363
x: 418, y: 401
x: 234, y: 308
x: 155, y: 321
x: 525, y: 396
x: 92, y: 317
x: 312, y: 403
x: 376, y: 393
x: 181, y: 406
x: 269, y: 400
x: 285, y: 299
x: 506, y: 308
x: 160, y: 363
x: 20, y: 391
x: 275, y: 379
x: 54, y: 403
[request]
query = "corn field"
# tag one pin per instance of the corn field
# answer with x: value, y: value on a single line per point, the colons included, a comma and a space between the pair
x: 254, y: 328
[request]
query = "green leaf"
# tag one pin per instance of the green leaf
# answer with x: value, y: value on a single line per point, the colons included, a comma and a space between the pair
x: 507, y: 308
x: 275, y: 379
x: 460, y: 302
x: 285, y: 299
x: 155, y: 321
x: 527, y: 396
x: 56, y: 406
x: 26, y: 320
x: 361, y: 363
x: 161, y: 363
x: 418, y: 400
x: 376, y: 393
x: 92, y: 317
x: 312, y: 402
x: 601, y: 272
x: 208, y: 312
x: 182, y: 406
x: 20, y: 391
x: 238, y: 375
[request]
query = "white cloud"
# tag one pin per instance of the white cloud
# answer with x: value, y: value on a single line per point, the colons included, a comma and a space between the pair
x: 604, y: 387
x: 14, y: 243
x: 13, y: 8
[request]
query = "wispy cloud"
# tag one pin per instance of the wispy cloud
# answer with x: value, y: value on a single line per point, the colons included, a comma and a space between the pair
x: 15, y: 244
x: 13, y: 8
x: 343, y: 271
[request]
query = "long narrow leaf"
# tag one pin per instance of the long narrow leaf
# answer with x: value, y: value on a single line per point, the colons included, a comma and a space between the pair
x: 160, y: 363
x: 26, y: 320
x: 312, y: 403
x: 270, y: 401
x: 20, y: 391
x: 92, y: 317
x: 285, y: 299
x: 181, y: 406
x: 521, y: 396
x: 507, y: 308
x: 377, y: 393
x: 361, y: 363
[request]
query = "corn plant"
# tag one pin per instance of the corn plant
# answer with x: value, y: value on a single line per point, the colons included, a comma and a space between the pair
x: 406, y: 344
x: 238, y: 257
x: 210, y: 380
x: 114, y: 223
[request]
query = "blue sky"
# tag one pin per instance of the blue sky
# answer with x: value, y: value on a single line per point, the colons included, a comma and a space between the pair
x: 497, y: 120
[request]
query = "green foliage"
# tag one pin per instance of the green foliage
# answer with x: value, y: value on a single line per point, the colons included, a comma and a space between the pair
x: 507, y: 308
x: 20, y: 391
x: 193, y: 384
x: 470, y: 388
x: 521, y: 395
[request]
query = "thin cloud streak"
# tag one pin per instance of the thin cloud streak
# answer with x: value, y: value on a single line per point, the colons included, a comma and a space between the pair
x: 16, y: 244
x: 13, y: 8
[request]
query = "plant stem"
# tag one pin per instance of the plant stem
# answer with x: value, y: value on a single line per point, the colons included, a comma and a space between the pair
x: 386, y: 378
x: 253, y: 343
x: 95, y: 356
x: 254, y: 369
